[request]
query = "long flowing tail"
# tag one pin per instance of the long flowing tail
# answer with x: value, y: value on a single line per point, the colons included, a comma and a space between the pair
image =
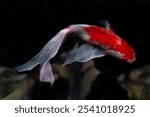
x: 43, y: 57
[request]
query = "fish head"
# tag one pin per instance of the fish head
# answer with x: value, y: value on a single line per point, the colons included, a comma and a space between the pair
x: 123, y: 51
x: 128, y: 51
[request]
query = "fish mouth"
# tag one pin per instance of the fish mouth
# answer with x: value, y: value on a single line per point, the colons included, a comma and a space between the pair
x: 131, y: 60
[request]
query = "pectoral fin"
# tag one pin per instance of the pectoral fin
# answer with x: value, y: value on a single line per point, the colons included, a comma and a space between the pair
x: 46, y: 74
x: 84, y: 53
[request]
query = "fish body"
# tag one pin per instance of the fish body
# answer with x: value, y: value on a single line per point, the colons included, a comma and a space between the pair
x: 98, y: 42
x: 107, y: 39
x: 112, y: 43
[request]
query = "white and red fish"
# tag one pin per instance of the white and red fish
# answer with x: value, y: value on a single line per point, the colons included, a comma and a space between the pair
x: 98, y: 42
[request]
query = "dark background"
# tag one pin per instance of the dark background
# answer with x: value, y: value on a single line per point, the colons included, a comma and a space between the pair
x: 26, y: 25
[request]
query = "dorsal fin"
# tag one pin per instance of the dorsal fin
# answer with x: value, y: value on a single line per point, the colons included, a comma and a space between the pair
x: 106, y: 25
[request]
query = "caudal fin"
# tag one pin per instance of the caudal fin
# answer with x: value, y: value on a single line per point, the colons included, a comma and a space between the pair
x: 28, y: 65
x: 42, y: 58
x: 46, y: 73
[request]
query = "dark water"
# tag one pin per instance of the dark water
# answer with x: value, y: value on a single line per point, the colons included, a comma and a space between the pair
x: 26, y: 25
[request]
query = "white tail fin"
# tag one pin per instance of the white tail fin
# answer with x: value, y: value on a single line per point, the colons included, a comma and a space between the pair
x: 42, y: 58
x: 46, y: 74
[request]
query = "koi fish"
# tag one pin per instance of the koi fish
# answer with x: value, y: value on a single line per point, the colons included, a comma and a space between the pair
x: 99, y: 42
